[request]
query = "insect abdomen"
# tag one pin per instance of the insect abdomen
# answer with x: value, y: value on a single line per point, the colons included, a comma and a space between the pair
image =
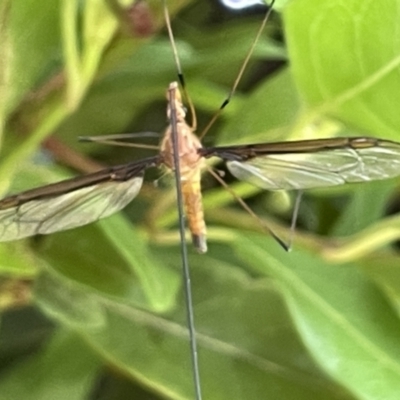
x: 191, y: 191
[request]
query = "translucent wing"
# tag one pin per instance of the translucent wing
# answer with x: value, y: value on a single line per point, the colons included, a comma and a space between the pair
x: 70, y: 203
x: 313, y: 163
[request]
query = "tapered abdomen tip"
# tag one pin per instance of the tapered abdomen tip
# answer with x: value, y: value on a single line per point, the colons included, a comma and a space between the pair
x: 200, y: 243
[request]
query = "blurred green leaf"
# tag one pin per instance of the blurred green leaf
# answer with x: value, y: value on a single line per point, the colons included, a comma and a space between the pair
x: 342, y: 318
x: 237, y: 334
x: 34, y: 40
x: 120, y: 267
x: 350, y: 73
x: 386, y: 275
x: 367, y: 205
x: 266, y: 114
x: 66, y: 369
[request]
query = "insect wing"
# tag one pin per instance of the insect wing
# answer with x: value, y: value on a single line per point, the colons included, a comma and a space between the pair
x: 66, y: 211
x: 359, y: 162
x: 71, y: 203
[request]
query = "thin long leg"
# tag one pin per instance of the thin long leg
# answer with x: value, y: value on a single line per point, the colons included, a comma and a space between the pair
x: 185, y: 262
x: 118, y: 140
x: 294, y: 219
x: 179, y: 68
x: 119, y: 136
x: 241, y: 71
x: 286, y: 246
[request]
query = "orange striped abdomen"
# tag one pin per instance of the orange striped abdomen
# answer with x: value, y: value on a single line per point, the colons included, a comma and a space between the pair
x: 191, y: 191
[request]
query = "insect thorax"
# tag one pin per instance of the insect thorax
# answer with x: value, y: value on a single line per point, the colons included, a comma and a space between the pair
x: 188, y: 145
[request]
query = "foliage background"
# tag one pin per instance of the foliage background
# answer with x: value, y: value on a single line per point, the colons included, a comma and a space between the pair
x: 97, y: 312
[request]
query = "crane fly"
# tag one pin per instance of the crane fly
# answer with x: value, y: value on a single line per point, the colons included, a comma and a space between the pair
x: 295, y: 165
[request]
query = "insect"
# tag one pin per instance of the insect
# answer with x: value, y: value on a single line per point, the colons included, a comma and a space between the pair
x: 287, y: 165
x: 295, y: 165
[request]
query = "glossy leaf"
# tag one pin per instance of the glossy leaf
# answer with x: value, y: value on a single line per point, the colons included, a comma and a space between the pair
x: 351, y: 73
x: 342, y: 318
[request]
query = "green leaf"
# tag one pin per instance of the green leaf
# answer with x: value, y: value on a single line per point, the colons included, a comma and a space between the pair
x: 34, y: 51
x: 386, y: 275
x: 15, y: 261
x: 265, y: 114
x: 65, y: 369
x: 367, y: 205
x: 243, y: 330
x: 345, y: 63
x: 342, y: 318
x: 114, y: 260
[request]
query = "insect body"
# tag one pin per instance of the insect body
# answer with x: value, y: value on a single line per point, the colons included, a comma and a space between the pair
x: 191, y: 164
x: 85, y: 199
x: 295, y: 165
